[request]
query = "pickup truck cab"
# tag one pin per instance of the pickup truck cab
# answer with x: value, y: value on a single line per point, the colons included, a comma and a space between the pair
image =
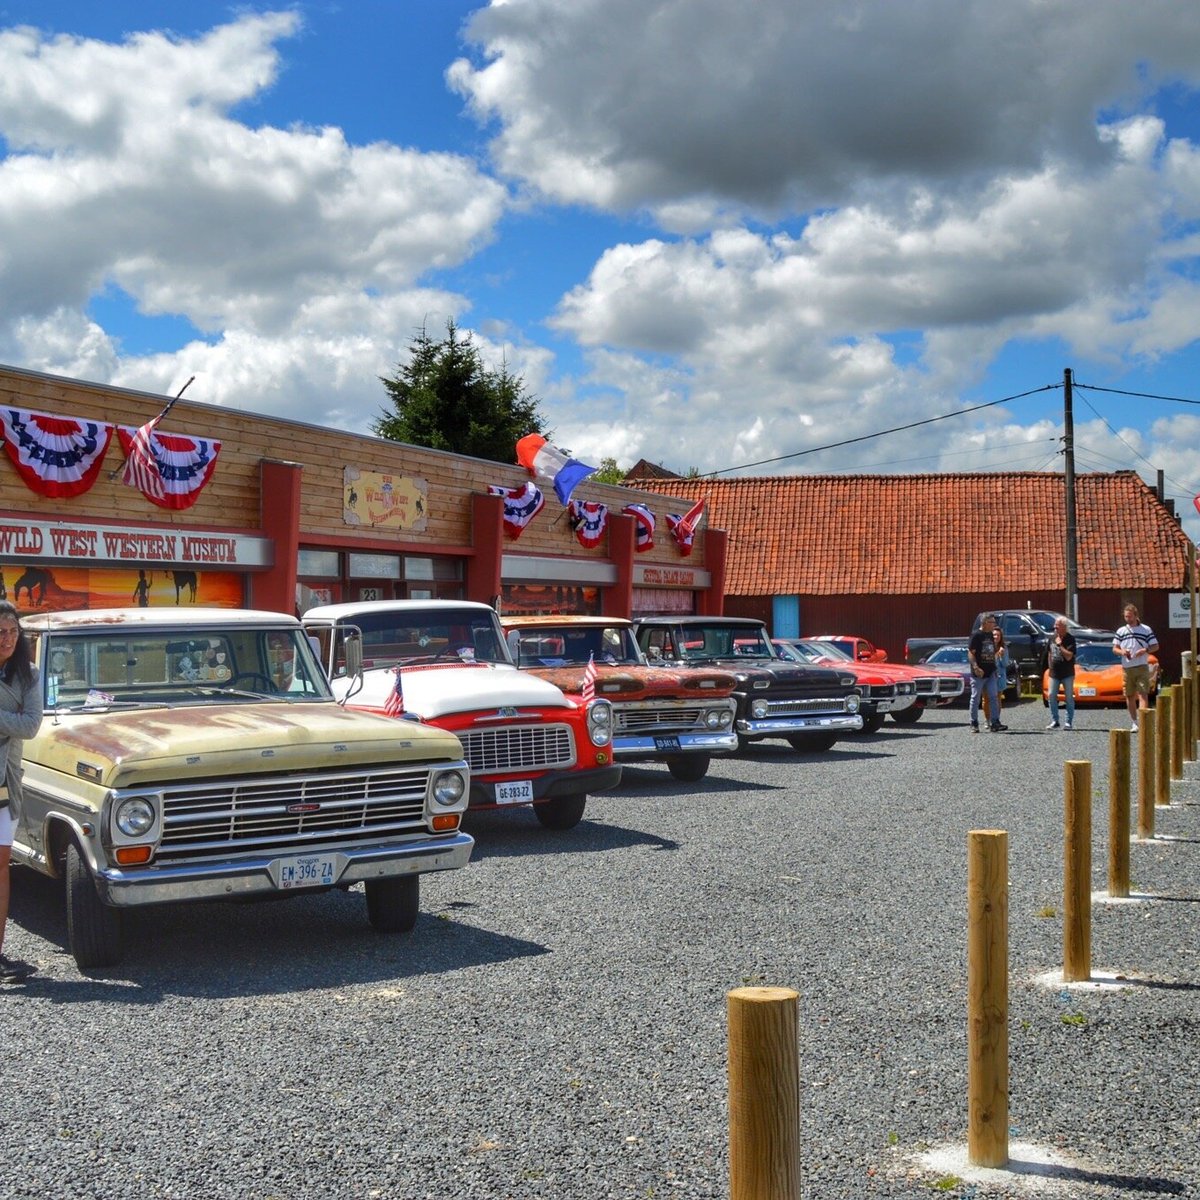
x: 199, y: 754
x: 681, y: 716
x: 446, y: 663
x: 810, y: 707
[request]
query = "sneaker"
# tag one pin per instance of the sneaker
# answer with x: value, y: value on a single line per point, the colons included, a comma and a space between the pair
x: 13, y: 970
x: 1067, y: 725
x: 1133, y: 727
x: 1054, y: 725
x: 974, y: 726
x: 998, y: 728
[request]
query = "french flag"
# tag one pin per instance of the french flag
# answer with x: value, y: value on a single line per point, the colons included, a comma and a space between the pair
x: 548, y: 462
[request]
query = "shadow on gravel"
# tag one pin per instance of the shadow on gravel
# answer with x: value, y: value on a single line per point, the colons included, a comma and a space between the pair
x: 517, y: 833
x: 268, y: 948
x: 1125, y: 1183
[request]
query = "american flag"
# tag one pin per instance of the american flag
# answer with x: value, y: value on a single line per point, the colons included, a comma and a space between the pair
x: 394, y: 704
x: 141, y: 468
x: 589, y: 681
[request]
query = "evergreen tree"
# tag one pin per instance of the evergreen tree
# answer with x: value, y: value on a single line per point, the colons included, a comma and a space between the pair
x: 447, y: 399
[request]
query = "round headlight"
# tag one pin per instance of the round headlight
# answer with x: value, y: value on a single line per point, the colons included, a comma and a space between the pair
x: 135, y: 816
x: 448, y: 788
x: 712, y: 719
x: 852, y: 704
x: 600, y: 722
x: 758, y: 709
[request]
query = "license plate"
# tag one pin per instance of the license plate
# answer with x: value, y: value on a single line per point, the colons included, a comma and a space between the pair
x: 519, y: 791
x: 307, y: 870
x: 666, y: 743
x: 1087, y: 691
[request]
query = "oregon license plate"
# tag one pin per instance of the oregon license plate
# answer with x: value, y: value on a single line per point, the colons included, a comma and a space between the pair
x: 666, y: 743
x: 307, y: 870
x: 517, y: 791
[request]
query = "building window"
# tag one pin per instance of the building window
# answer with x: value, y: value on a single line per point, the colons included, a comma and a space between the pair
x: 319, y: 564
x: 432, y: 570
x: 374, y: 566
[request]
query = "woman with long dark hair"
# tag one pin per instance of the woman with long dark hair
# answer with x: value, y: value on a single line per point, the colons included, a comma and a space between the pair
x: 20, y: 718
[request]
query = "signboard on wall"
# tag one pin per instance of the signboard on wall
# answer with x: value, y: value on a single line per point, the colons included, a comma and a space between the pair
x: 384, y: 501
x: 1179, y: 606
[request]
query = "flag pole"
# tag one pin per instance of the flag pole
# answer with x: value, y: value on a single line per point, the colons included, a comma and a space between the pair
x: 170, y: 405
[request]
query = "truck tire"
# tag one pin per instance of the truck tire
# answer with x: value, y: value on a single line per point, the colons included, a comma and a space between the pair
x: 563, y: 812
x: 873, y: 723
x: 688, y: 768
x: 93, y: 927
x: 812, y: 743
x: 393, y: 904
x: 910, y: 715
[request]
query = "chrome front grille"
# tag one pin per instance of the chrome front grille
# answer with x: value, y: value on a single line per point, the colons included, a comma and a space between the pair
x: 658, y: 717
x: 805, y: 704
x: 939, y: 685
x: 518, y: 748
x: 268, y: 812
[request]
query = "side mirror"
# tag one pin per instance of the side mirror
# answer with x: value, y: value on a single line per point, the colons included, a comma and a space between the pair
x: 352, y: 648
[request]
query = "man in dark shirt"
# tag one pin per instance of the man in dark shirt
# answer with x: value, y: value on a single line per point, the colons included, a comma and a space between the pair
x: 981, y: 653
x: 1061, y: 665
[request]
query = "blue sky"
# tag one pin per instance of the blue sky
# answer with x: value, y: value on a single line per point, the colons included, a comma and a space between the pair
x: 702, y: 240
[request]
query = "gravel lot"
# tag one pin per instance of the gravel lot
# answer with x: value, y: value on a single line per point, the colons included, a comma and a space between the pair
x: 555, y: 1026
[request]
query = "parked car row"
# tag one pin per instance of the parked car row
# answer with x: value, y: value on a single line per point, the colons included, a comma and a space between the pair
x: 208, y: 753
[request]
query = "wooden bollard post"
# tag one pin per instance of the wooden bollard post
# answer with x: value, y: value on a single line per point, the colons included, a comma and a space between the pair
x: 1193, y: 710
x: 1118, y: 812
x: 1162, y: 773
x: 1178, y: 728
x: 1147, y: 772
x: 1189, y: 700
x: 1077, y: 872
x: 764, y: 1094
x: 987, y: 997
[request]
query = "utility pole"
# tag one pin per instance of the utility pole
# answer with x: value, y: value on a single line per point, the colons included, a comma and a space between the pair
x: 1072, y: 605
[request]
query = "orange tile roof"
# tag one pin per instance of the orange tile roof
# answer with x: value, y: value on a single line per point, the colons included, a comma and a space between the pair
x: 899, y: 534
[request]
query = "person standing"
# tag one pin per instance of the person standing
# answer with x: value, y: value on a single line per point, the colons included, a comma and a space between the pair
x: 1134, y: 643
x: 1061, y: 665
x: 20, y: 718
x: 1003, y: 662
x: 981, y: 653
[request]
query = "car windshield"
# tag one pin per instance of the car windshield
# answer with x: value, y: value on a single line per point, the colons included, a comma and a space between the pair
x: 138, y: 666
x: 830, y: 649
x: 415, y: 636
x: 700, y: 642
x: 1095, y: 655
x: 948, y: 655
x: 573, y: 645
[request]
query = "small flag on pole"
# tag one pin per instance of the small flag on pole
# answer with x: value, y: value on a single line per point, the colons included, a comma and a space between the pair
x: 556, y: 466
x: 394, y: 704
x: 141, y: 469
x: 589, y: 681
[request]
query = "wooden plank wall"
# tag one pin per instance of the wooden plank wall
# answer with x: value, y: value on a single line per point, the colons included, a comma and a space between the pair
x: 232, y: 499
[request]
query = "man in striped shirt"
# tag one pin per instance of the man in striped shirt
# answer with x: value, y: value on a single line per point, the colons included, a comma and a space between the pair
x: 1134, y: 643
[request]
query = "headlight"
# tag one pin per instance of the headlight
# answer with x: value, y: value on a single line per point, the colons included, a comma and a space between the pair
x: 712, y: 718
x: 599, y: 719
x: 448, y: 788
x: 135, y: 816
x: 758, y: 709
x: 852, y: 704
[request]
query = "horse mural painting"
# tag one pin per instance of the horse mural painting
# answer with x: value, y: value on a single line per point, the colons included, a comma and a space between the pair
x: 185, y: 581
x: 31, y: 580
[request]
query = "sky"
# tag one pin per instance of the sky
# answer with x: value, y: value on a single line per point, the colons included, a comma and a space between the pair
x: 787, y: 237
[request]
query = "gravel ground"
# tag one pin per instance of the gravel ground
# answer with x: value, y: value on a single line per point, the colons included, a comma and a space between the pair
x: 556, y: 1024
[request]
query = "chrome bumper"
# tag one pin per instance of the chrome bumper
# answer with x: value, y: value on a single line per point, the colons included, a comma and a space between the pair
x: 258, y: 875
x: 782, y: 726
x: 643, y: 745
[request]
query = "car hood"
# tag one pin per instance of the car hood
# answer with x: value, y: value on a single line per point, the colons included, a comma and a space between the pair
x: 439, y: 691
x: 628, y: 680
x: 134, y: 748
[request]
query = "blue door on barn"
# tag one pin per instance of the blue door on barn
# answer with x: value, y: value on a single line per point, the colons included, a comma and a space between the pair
x: 785, y: 616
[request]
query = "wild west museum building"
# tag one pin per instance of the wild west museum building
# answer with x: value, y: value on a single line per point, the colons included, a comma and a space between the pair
x: 267, y: 513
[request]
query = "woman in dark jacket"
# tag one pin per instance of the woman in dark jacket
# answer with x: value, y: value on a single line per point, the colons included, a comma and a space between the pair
x: 20, y: 718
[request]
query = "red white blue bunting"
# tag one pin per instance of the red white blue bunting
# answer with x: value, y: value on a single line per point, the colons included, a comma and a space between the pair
x: 521, y: 505
x: 184, y: 463
x: 643, y: 526
x: 588, y: 519
x: 55, y: 456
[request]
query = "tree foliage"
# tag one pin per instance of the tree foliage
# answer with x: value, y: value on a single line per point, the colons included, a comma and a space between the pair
x: 609, y: 472
x: 446, y: 398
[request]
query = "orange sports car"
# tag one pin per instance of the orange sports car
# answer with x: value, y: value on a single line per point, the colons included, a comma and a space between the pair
x: 1099, y: 675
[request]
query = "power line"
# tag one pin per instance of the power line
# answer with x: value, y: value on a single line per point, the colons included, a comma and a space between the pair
x: 866, y: 437
x: 1140, y: 395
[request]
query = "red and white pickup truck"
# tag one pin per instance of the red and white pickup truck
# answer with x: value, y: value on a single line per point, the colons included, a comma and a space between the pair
x: 525, y: 741
x: 678, y: 715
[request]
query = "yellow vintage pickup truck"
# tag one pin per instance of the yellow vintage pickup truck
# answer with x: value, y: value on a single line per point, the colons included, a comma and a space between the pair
x: 199, y: 754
